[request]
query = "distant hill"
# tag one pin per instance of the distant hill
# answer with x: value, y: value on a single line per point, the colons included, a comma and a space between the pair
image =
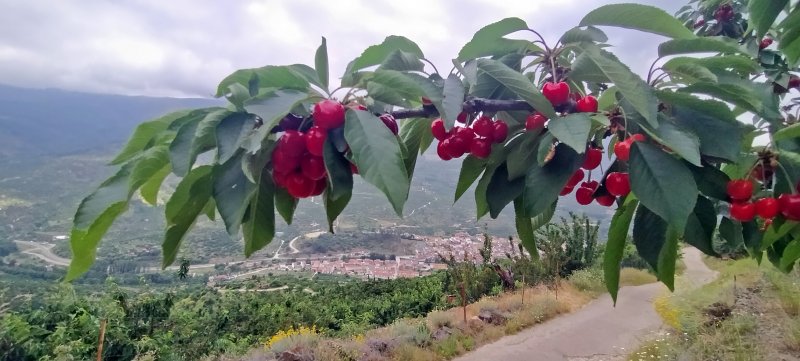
x: 58, y: 122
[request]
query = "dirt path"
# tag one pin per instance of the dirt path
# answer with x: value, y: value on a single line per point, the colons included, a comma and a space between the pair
x: 599, y: 331
x: 43, y: 252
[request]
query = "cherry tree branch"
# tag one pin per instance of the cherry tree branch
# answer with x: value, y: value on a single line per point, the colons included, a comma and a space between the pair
x: 471, y: 105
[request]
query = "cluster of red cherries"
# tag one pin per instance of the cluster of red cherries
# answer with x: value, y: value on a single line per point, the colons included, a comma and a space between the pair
x: 476, y: 139
x: 297, y: 162
x: 744, y: 209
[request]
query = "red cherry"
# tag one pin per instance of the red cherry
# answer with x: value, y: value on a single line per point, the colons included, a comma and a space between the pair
x: 637, y: 138
x: 280, y: 178
x: 575, y: 178
x: 457, y: 146
x: 535, y: 121
x: 462, y: 117
x: 500, y: 131
x: 606, y: 200
x: 299, y: 186
x: 437, y: 129
x: 319, y: 186
x: 483, y: 126
x: 618, y: 183
x: 584, y: 195
x: 315, y: 140
x: 591, y: 184
x: 465, y: 133
x: 766, y: 42
x: 313, y: 168
x: 390, y: 123
x: 356, y: 106
x: 767, y: 208
x: 794, y: 81
x: 292, y: 142
x: 353, y: 168
x: 743, y: 212
x: 443, y: 151
x: 556, y: 93
x: 328, y: 114
x: 622, y: 150
x: 480, y: 148
x: 587, y: 104
x: 283, y: 162
x: 790, y: 206
x: 740, y: 190
x: 566, y: 190
x: 426, y: 101
x: 592, y: 159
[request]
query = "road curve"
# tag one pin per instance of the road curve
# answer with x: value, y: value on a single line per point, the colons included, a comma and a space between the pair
x: 597, y: 331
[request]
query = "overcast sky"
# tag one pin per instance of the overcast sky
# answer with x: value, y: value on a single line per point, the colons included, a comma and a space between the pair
x: 184, y: 47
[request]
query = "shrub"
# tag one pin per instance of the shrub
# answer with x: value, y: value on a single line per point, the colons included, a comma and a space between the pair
x: 299, y: 338
x: 415, y: 332
x: 439, y: 319
x: 590, y: 279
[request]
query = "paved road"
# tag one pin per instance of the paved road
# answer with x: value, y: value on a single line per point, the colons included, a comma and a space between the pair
x: 599, y: 331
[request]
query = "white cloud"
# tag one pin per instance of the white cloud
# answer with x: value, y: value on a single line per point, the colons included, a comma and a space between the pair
x: 184, y: 47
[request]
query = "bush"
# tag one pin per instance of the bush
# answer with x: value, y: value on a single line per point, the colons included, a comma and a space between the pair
x: 590, y: 279
x: 415, y: 332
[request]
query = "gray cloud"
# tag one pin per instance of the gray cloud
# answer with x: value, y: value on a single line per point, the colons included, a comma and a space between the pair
x: 184, y: 47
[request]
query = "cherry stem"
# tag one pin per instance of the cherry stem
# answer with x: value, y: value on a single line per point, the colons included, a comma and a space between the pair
x: 472, y: 105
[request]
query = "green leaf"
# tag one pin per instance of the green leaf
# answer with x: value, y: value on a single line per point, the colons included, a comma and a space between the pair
x: 517, y: 83
x: 398, y: 87
x: 579, y: 35
x: 182, y: 209
x: 711, y: 182
x: 340, y: 179
x: 792, y: 131
x: 334, y: 207
x: 690, y: 73
x: 731, y: 231
x: 789, y: 42
x: 701, y: 226
x: 149, y: 190
x: 237, y: 94
x: 615, y: 246
x: 663, y: 184
x: 718, y: 137
x: 790, y: 255
x: 777, y: 231
x: 94, y: 216
x: 412, y: 133
x: 374, y: 55
x: 285, y: 204
x: 500, y: 191
x: 734, y: 94
x: 682, y: 142
x: 572, y: 130
x: 707, y: 44
x: 192, y: 139
x: 545, y: 145
x: 271, y: 107
x: 740, y: 64
x: 763, y: 14
x: 321, y: 63
x: 453, y: 98
x: 638, y: 17
x: 144, y: 135
x: 522, y: 155
x: 471, y: 169
x: 377, y: 155
x: 710, y: 107
x: 232, y: 192
x: 649, y: 235
x: 667, y: 257
x: 402, y: 61
x: 231, y: 134
x: 525, y: 228
x: 259, y: 229
x: 631, y: 86
x: 284, y: 77
x: 607, y: 99
x: 752, y: 236
x: 543, y: 184
x: 489, y: 40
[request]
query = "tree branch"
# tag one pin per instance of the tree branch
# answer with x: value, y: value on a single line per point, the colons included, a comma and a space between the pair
x: 471, y: 105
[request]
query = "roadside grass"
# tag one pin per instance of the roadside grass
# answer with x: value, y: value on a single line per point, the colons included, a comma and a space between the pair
x: 748, y: 313
x: 444, y: 334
